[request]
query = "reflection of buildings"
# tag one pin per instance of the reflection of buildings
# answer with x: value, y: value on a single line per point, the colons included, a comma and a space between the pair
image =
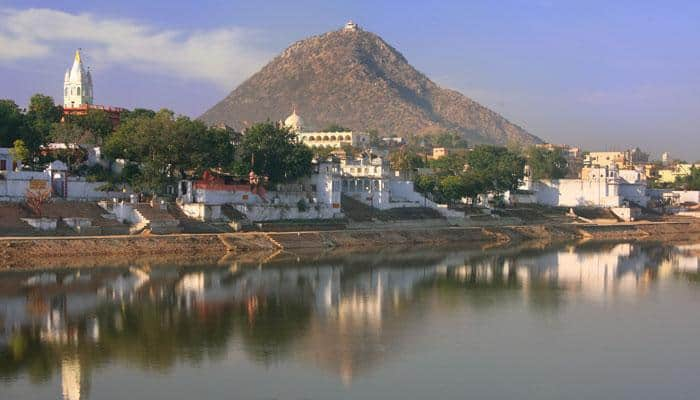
x: 75, y: 382
x: 596, y: 275
x: 347, y: 315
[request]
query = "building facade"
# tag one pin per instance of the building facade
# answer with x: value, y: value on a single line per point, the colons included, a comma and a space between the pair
x: 78, y: 92
x: 334, y: 140
x: 77, y: 85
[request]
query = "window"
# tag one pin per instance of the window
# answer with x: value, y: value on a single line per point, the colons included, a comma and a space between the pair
x: 3, y: 165
x: 78, y: 91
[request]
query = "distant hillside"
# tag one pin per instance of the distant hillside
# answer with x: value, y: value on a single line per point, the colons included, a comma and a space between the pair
x: 353, y: 78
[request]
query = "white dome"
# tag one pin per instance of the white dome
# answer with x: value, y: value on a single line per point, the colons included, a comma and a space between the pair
x: 294, y: 122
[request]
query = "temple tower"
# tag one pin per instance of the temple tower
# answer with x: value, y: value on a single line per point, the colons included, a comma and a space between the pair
x: 77, y: 85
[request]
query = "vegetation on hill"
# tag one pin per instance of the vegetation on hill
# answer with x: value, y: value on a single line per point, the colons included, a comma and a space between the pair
x: 355, y: 79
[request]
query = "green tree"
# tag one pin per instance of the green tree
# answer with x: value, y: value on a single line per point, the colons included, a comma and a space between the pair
x: 12, y: 123
x: 449, y: 140
x: 374, y: 139
x: 501, y: 169
x: 336, y: 128
x: 406, y: 160
x: 40, y: 118
x: 272, y: 150
x: 452, y: 188
x: 167, y: 147
x: 546, y: 164
x: 451, y: 164
x: 69, y: 135
x: 136, y: 113
x: 96, y: 124
x: 322, y: 152
x: 66, y: 133
x: 19, y: 151
x: 690, y: 181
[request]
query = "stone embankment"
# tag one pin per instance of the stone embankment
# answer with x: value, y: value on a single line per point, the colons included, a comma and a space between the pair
x: 29, y: 251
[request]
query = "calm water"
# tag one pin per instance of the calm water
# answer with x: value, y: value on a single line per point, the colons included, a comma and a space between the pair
x: 577, y: 322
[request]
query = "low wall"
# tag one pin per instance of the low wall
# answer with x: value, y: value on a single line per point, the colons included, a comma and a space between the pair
x: 88, y: 191
x: 202, y: 212
x: 269, y: 212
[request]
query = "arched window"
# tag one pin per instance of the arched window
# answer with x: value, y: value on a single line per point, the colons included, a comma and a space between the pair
x: 332, y: 137
x: 78, y: 91
x: 325, y: 138
x: 347, y: 137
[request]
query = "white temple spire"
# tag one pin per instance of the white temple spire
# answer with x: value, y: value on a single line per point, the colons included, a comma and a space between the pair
x: 77, y: 85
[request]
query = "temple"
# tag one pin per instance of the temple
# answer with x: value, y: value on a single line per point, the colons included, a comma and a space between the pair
x: 78, y: 94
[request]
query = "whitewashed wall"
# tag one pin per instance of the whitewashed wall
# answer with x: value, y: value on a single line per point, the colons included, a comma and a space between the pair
x: 576, y: 192
x: 87, y: 191
x: 688, y: 196
x: 268, y: 212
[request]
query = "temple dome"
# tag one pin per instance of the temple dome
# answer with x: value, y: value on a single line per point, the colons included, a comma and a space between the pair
x: 294, y: 122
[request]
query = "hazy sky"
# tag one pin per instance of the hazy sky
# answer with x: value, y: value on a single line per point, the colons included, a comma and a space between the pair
x: 600, y: 74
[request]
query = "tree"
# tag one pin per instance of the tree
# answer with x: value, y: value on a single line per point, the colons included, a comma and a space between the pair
x: 336, y: 128
x: 546, y: 164
x: 451, y: 164
x: 168, y: 147
x: 66, y: 133
x: 40, y: 118
x: 452, y: 188
x: 12, y: 122
x: 406, y: 160
x: 374, y: 139
x: 136, y: 113
x: 35, y: 201
x: 96, y: 125
x: 690, y: 181
x: 449, y: 140
x: 19, y: 151
x: 501, y: 169
x: 272, y: 150
x: 322, y: 152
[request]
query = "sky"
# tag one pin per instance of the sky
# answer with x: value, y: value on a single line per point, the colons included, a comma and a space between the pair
x: 602, y: 75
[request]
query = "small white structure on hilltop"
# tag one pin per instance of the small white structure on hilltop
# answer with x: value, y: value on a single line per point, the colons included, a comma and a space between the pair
x: 351, y: 26
x: 77, y: 85
x: 334, y: 140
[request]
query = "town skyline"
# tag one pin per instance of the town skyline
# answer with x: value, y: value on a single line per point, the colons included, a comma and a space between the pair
x: 646, y: 111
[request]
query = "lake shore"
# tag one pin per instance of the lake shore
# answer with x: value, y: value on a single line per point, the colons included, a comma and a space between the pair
x: 23, y: 252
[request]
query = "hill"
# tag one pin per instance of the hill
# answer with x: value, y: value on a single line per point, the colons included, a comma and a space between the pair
x: 354, y: 78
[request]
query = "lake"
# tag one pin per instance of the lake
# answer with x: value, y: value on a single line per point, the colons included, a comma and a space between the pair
x: 605, y: 320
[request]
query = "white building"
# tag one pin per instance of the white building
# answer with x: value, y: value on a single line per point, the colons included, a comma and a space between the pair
x: 371, y: 181
x: 7, y: 161
x: 597, y: 187
x: 325, y: 139
x: 14, y: 184
x: 314, y: 197
x: 77, y: 85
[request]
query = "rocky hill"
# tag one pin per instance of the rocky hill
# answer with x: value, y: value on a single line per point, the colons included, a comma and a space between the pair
x: 353, y: 78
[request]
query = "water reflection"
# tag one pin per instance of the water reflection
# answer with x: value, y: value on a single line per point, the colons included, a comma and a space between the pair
x: 343, y: 314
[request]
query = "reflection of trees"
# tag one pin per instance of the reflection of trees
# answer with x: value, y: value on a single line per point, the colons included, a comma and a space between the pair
x: 276, y: 311
x: 274, y: 323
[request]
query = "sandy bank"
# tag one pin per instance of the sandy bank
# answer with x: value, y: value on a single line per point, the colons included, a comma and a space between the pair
x: 25, y: 252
